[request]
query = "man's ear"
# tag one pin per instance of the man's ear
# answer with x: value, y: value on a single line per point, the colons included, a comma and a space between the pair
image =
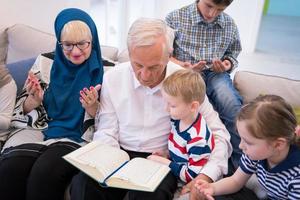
x: 280, y: 143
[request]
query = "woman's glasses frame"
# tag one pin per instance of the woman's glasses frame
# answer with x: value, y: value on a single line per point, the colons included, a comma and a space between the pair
x: 68, y: 46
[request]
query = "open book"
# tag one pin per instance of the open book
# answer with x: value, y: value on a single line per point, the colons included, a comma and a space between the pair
x: 111, y: 167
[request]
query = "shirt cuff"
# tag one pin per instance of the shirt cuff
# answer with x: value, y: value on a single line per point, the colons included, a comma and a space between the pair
x: 212, y: 171
x: 175, y: 168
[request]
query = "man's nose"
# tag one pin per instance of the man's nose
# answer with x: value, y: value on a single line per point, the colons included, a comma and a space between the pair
x: 145, y: 74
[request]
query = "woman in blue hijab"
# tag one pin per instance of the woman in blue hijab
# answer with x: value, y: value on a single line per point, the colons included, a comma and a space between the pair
x: 55, y: 109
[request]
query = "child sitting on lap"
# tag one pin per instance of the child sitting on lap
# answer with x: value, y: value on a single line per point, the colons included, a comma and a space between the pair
x: 190, y: 141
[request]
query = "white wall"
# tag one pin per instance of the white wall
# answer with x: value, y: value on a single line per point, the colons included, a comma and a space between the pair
x: 36, y: 13
x: 247, y: 15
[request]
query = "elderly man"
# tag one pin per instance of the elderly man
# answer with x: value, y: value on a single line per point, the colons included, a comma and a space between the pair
x: 132, y: 113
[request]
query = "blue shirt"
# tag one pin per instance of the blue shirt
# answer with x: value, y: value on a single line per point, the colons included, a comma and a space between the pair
x: 280, y: 182
x: 197, y: 40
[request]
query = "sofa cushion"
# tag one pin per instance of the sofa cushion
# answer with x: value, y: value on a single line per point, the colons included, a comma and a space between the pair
x: 19, y: 71
x: 26, y: 42
x: 251, y: 84
x: 123, y: 56
x: 109, y: 52
x: 3, y: 46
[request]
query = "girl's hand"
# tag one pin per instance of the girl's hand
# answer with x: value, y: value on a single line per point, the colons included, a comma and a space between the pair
x: 159, y: 159
x: 204, y: 188
x: 89, y: 99
x: 35, y: 91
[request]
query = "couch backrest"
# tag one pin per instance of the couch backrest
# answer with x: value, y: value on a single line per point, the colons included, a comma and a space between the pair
x: 26, y: 42
x: 3, y: 46
x: 251, y: 84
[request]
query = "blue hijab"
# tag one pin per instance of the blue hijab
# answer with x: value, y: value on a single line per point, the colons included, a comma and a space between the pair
x: 61, y: 99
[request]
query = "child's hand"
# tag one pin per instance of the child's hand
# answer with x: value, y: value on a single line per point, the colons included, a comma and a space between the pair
x: 159, y: 159
x: 204, y: 188
x: 89, y: 99
x: 221, y: 66
x: 198, y: 67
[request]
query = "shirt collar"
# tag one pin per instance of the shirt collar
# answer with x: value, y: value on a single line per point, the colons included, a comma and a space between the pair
x: 197, y: 18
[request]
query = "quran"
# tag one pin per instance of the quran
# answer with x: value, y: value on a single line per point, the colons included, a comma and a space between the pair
x: 112, y: 167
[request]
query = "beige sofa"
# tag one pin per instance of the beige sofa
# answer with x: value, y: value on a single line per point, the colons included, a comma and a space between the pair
x: 21, y: 42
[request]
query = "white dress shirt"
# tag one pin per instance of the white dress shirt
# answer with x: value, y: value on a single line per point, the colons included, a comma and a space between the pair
x: 134, y: 117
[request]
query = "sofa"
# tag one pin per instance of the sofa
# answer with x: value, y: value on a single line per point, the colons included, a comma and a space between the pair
x: 20, y: 44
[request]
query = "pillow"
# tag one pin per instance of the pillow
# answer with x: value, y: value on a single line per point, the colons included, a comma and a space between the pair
x: 251, y: 84
x: 19, y: 71
x: 3, y: 46
x: 27, y: 42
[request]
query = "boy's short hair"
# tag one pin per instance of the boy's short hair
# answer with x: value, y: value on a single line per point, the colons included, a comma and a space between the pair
x: 187, y: 84
x: 222, y: 2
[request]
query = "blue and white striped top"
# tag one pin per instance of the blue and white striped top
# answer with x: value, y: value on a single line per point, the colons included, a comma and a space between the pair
x: 280, y: 182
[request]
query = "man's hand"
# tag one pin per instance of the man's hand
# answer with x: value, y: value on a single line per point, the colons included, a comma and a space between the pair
x: 159, y: 159
x: 162, y: 153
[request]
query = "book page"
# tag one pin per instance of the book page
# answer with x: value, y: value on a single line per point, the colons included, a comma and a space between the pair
x: 104, y: 158
x: 141, y: 171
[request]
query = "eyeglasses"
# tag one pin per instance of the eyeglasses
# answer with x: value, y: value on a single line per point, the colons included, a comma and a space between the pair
x: 67, y: 46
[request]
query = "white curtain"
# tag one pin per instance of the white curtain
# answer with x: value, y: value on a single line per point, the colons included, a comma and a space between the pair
x: 114, y: 17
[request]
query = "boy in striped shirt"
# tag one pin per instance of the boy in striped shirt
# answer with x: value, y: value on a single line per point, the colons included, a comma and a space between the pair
x: 190, y: 141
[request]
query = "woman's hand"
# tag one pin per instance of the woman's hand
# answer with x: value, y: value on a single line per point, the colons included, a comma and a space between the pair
x: 35, y: 93
x: 89, y: 99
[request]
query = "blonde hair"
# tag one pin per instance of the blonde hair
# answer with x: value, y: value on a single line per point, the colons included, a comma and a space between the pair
x: 145, y: 31
x: 187, y: 84
x: 75, y: 31
x: 270, y: 117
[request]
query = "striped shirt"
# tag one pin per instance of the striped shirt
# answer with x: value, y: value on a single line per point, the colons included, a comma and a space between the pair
x: 189, y: 149
x: 197, y: 40
x: 280, y: 182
